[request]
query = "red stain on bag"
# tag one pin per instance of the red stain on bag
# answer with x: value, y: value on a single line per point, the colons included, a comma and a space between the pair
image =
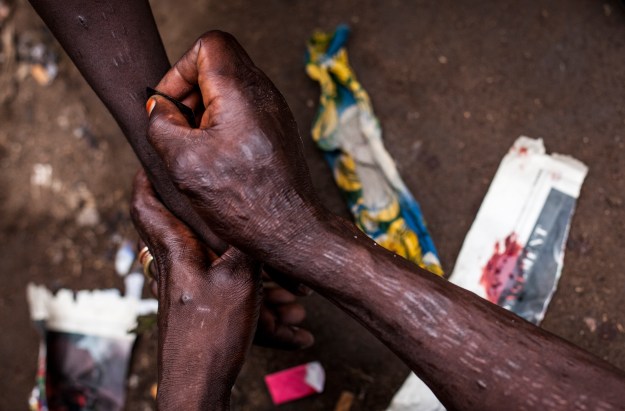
x: 498, y: 274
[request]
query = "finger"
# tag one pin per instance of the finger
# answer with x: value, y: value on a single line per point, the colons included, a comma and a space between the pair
x: 277, y: 296
x: 287, y: 283
x: 168, y: 130
x: 272, y: 333
x: 294, y: 338
x: 290, y: 314
x: 214, y: 54
x: 194, y: 100
x: 154, y: 288
x: 156, y: 226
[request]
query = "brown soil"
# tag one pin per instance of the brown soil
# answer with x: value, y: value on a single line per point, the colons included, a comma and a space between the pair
x: 453, y: 83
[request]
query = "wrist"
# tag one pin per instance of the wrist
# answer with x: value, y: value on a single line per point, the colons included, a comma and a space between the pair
x: 322, y: 246
x: 194, y: 394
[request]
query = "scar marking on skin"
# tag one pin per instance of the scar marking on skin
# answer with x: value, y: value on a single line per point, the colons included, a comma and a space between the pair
x: 336, y: 258
x: 513, y: 365
x: 472, y: 366
x: 475, y: 358
x: 501, y: 373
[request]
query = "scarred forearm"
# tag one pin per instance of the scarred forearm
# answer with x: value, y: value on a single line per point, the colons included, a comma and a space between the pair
x: 473, y: 354
x: 117, y: 48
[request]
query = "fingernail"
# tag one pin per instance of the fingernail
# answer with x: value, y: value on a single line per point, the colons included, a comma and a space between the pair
x: 149, y: 106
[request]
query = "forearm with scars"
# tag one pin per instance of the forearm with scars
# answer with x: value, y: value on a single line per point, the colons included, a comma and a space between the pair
x: 473, y: 354
x: 117, y: 48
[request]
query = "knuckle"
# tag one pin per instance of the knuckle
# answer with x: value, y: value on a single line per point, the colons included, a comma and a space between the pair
x: 216, y: 39
x: 136, y: 207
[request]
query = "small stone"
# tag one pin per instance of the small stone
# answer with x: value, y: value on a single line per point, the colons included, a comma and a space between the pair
x: 591, y: 323
x: 133, y: 381
x: 442, y: 59
x: 41, y: 75
x: 467, y: 114
x: 413, y: 115
x: 88, y: 217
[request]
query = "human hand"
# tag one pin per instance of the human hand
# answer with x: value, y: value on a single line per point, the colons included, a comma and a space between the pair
x: 208, y: 307
x: 243, y: 169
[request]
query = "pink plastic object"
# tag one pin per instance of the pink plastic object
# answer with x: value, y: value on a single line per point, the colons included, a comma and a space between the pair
x: 295, y: 383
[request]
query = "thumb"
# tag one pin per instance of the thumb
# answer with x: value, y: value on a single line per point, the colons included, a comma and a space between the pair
x: 168, y: 129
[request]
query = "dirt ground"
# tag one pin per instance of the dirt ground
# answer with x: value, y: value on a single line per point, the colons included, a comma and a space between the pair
x: 453, y: 83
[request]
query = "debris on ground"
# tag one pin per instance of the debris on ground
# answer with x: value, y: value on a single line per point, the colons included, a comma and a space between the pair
x: 345, y: 402
x: 348, y: 132
x: 514, y: 252
x: 295, y: 383
x: 86, y: 344
x: 37, y: 56
x: 124, y: 257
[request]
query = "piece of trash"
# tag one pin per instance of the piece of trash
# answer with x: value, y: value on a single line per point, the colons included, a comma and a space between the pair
x: 133, y: 381
x: 124, y: 257
x: 154, y: 390
x: 295, y: 383
x: 350, y: 136
x: 345, y: 401
x: 88, y: 216
x: 41, y: 175
x: 514, y: 251
x: 414, y: 395
x: 133, y: 284
x: 35, y: 50
x: 591, y: 323
x: 85, y: 348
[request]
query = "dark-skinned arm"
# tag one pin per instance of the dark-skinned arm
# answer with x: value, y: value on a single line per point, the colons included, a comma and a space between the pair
x: 117, y: 48
x: 208, y: 308
x: 244, y: 173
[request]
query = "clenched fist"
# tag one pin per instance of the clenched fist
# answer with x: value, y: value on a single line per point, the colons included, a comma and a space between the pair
x: 243, y: 168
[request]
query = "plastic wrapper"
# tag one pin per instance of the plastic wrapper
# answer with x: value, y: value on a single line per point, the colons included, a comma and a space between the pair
x: 296, y: 382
